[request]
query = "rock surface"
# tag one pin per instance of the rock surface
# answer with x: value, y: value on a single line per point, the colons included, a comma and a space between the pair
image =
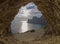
x: 49, y: 8
x: 31, y: 39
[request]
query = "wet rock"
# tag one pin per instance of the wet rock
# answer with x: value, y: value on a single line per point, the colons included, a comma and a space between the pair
x: 32, y: 31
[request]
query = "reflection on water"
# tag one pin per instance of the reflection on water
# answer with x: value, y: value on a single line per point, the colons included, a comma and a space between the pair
x: 28, y: 26
x: 23, y: 26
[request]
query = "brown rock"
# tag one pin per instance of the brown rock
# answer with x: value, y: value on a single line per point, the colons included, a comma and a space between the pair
x: 49, y: 8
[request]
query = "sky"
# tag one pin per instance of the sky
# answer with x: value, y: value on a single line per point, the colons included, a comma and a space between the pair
x: 29, y: 10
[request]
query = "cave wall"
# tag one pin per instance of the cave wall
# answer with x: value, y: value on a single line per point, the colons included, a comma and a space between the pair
x: 49, y: 8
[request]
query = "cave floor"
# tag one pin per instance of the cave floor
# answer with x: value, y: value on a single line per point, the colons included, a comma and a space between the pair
x: 30, y: 38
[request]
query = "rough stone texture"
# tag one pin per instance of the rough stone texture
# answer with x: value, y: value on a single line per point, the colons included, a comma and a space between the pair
x: 12, y: 40
x: 49, y: 8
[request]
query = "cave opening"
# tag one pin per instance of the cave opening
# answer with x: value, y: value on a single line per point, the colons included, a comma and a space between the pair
x: 29, y: 17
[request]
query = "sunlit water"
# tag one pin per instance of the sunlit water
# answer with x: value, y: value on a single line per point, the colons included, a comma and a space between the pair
x: 28, y: 26
x: 23, y: 26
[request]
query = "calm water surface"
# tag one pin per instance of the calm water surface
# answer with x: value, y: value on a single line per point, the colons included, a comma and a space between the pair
x: 23, y: 26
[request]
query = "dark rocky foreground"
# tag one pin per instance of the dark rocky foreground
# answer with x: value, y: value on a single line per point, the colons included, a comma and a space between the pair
x: 30, y: 38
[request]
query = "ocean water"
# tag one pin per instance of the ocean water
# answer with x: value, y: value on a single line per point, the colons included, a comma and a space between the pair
x: 23, y: 26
